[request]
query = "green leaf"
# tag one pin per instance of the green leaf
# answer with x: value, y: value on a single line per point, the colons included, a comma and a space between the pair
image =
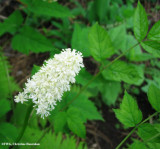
x: 118, y: 36
x: 110, y: 91
x: 101, y: 8
x: 100, y: 44
x: 75, y: 123
x: 80, y: 40
x: 43, y: 122
x: 154, y: 33
x: 88, y: 110
x: 152, y: 47
x: 128, y: 114
x: 135, y: 54
x: 31, y: 40
x: 31, y: 135
x: 4, y: 107
x: 35, y: 69
x: 87, y: 107
x: 137, y: 145
x: 157, y: 127
x: 20, y: 112
x: 147, y: 131
x: 9, y: 131
x: 84, y: 76
x: 153, y: 145
x: 60, y: 120
x: 44, y: 8
x: 131, y: 41
x: 52, y: 141
x: 12, y: 23
x: 140, y: 69
x: 3, y: 139
x: 154, y: 97
x: 121, y: 71
x: 8, y: 82
x: 140, y: 22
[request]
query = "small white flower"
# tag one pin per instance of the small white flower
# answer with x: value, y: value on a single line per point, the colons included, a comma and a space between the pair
x: 47, y: 86
x: 21, y: 97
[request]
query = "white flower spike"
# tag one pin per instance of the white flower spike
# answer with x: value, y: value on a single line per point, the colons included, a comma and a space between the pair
x: 51, y: 81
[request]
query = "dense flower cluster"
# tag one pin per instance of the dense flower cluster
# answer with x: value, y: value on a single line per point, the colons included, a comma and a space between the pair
x: 51, y: 81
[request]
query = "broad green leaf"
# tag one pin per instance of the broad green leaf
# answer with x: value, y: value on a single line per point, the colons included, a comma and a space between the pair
x: 100, y: 44
x: 44, y: 8
x: 135, y: 54
x: 153, y: 145
x: 152, y: 47
x: 31, y: 135
x: 137, y: 145
x: 157, y: 127
x: 75, y: 123
x: 147, y: 131
x: 84, y: 76
x: 128, y: 114
x: 4, y: 107
x: 9, y: 131
x: 118, y: 36
x: 140, y: 22
x: 154, y: 33
x: 87, y: 108
x: 12, y: 23
x: 140, y: 69
x: 20, y: 112
x: 154, y: 97
x: 121, y: 71
x: 130, y: 42
x: 140, y: 57
x: 31, y: 40
x: 80, y: 40
x: 60, y: 120
x: 110, y: 91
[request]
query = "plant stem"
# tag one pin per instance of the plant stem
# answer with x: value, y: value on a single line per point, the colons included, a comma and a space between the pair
x: 29, y: 110
x: 94, y: 77
x: 133, y: 130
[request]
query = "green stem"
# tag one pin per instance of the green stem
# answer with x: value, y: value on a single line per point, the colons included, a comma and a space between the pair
x: 133, y: 130
x: 29, y: 110
x: 94, y: 77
